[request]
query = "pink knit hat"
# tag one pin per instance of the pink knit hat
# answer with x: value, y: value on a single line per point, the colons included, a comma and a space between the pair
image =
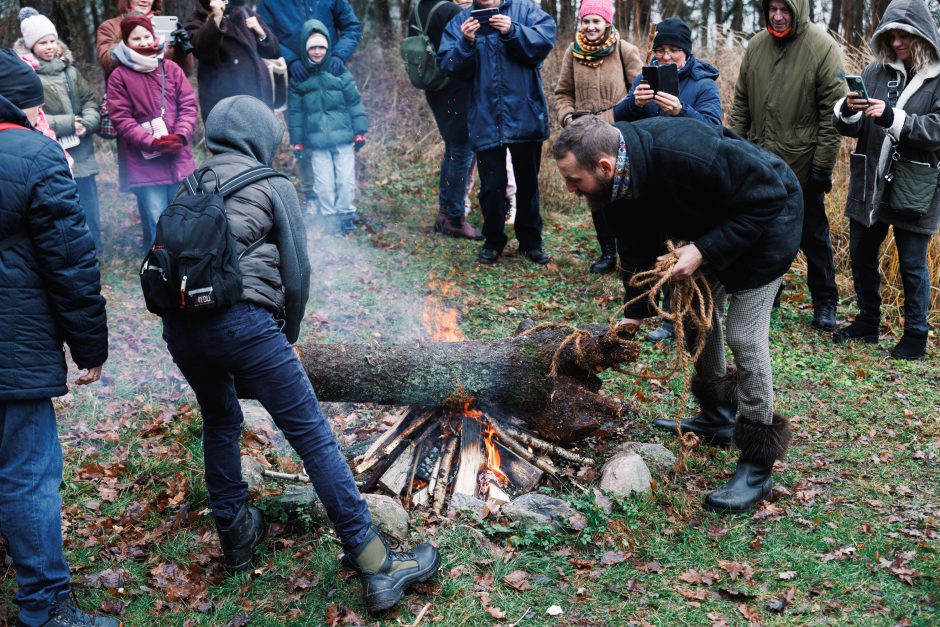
x: 603, y: 8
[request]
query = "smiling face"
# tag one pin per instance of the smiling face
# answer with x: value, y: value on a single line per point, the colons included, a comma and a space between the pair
x: 140, y: 37
x: 594, y: 27
x: 46, y: 48
x: 901, y: 44
x: 316, y: 53
x: 780, y: 16
x: 141, y: 6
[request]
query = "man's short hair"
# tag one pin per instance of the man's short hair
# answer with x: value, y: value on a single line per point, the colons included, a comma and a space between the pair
x: 588, y: 138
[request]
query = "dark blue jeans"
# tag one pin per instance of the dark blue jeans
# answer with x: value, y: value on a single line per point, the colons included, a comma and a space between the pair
x: 151, y: 201
x: 454, y: 168
x: 491, y: 164
x: 864, y: 245
x: 88, y: 199
x: 30, y: 505
x: 244, y: 344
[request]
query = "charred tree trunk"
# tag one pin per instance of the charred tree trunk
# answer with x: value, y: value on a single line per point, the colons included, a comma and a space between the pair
x: 510, y: 375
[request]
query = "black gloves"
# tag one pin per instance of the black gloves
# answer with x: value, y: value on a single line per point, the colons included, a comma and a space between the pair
x: 180, y: 39
x: 820, y: 180
x: 298, y: 71
x: 886, y: 119
x: 336, y: 66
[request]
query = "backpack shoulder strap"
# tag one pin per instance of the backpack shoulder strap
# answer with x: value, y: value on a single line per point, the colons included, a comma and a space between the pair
x: 421, y: 28
x: 243, y: 179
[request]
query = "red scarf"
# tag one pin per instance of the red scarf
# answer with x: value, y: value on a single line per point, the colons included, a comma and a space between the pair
x: 779, y: 35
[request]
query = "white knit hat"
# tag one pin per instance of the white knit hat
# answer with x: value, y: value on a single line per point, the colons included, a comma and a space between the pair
x: 34, y: 26
x: 317, y: 39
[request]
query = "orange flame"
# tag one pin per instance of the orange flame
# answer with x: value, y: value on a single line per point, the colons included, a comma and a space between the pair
x: 492, y: 455
x: 440, y: 322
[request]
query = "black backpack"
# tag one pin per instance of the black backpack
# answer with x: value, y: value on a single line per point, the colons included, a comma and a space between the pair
x: 192, y: 265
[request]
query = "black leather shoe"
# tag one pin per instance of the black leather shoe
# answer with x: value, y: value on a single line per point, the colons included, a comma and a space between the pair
x: 536, y: 255
x: 824, y: 316
x: 608, y: 259
x: 858, y: 330
x: 751, y: 484
x: 385, y: 574
x: 240, y: 537
x: 714, y: 424
x: 488, y: 255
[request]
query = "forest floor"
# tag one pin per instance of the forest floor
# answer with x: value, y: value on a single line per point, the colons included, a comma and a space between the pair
x: 851, y: 536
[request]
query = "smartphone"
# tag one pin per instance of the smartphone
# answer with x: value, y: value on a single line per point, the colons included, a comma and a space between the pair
x: 483, y: 15
x: 663, y: 78
x: 163, y: 25
x: 856, y: 84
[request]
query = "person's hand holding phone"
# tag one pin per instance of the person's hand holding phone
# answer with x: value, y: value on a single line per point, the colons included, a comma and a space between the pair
x: 668, y: 103
x: 502, y: 23
x: 874, y: 108
x: 643, y: 94
x: 469, y: 29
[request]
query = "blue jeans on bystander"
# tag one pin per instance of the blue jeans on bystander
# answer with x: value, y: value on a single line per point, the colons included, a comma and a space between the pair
x: 245, y: 344
x: 455, y: 166
x: 30, y: 505
x: 151, y: 201
x: 88, y: 199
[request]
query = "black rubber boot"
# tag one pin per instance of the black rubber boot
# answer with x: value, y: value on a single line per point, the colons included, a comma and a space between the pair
x: 608, y: 259
x: 240, y: 537
x: 718, y: 400
x: 912, y: 346
x: 385, y: 574
x: 761, y: 445
x: 824, y: 316
x: 859, y: 329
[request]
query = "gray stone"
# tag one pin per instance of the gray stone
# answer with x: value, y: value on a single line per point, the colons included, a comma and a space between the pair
x: 296, y: 502
x: 464, y: 503
x: 626, y: 473
x: 538, y: 509
x: 258, y: 420
x: 252, y: 473
x: 656, y: 456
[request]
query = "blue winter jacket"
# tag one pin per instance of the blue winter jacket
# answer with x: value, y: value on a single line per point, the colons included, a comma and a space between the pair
x: 50, y: 288
x: 506, y: 101
x: 286, y: 17
x: 698, y: 94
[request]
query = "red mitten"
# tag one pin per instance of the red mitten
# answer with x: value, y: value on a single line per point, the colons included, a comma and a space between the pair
x: 169, y: 144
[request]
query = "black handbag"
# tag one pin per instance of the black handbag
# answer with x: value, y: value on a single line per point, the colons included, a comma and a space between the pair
x: 912, y: 185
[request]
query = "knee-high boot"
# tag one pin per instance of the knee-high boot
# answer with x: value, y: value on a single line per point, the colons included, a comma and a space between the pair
x: 718, y: 400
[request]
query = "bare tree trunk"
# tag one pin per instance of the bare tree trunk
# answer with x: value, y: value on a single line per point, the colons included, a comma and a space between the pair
x: 703, y: 28
x: 737, y: 16
x: 835, y: 20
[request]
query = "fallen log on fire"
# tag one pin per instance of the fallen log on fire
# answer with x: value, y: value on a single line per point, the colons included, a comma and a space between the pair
x: 546, y: 377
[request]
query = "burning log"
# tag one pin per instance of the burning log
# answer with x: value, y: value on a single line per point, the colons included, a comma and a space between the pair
x: 543, y: 377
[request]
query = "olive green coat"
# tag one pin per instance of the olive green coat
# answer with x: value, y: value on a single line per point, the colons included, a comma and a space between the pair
x: 60, y: 113
x: 785, y: 93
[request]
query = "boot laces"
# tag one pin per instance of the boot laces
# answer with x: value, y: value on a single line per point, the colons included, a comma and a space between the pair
x: 392, y: 544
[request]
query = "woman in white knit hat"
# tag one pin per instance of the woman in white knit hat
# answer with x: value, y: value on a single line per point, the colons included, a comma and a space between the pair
x: 71, y: 106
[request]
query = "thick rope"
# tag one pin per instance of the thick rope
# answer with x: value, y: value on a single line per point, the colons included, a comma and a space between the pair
x: 692, y: 308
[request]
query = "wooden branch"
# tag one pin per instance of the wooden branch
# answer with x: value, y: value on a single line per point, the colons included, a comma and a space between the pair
x: 522, y: 452
x: 447, y: 461
x: 523, y: 475
x: 410, y: 483
x: 471, y: 458
x: 286, y: 476
x: 531, y: 440
x: 394, y: 479
x: 368, y: 460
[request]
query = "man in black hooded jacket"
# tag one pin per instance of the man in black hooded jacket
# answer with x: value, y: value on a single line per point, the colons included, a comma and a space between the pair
x: 740, y: 209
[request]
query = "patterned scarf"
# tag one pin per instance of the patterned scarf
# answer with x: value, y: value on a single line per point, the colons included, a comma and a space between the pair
x: 592, y: 55
x: 125, y: 55
x: 622, y: 189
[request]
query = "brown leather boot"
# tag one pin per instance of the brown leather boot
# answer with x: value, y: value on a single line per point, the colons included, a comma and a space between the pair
x: 455, y: 226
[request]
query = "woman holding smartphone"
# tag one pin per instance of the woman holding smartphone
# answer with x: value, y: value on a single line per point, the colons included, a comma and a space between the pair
x: 109, y: 36
x: 894, y: 173
x: 596, y: 73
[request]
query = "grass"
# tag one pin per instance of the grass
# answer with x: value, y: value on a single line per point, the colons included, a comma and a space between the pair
x: 851, y: 537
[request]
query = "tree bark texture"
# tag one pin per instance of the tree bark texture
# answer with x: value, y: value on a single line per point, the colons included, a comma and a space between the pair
x: 508, y: 375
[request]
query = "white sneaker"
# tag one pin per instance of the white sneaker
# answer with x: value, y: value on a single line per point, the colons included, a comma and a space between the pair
x: 511, y: 209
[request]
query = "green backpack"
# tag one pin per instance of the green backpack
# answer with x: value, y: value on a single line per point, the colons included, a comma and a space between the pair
x: 420, y: 57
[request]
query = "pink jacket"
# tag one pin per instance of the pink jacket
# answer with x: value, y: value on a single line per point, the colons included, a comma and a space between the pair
x: 134, y: 97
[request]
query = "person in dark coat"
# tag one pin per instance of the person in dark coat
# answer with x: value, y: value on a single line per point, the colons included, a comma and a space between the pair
x: 449, y: 107
x: 502, y: 60
x: 229, y: 42
x: 698, y: 99
x: 898, y: 118
x: 249, y: 344
x: 50, y: 294
x: 680, y: 180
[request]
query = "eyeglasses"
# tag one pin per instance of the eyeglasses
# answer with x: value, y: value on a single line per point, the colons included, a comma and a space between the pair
x: 672, y: 52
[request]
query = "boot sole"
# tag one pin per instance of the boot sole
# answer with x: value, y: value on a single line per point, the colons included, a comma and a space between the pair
x: 721, y: 509
x: 377, y: 602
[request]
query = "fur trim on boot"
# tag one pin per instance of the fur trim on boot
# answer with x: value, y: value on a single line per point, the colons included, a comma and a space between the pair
x: 716, y: 390
x: 762, y: 444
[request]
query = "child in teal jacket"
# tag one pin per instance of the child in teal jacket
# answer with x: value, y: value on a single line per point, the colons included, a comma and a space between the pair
x: 326, y: 120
